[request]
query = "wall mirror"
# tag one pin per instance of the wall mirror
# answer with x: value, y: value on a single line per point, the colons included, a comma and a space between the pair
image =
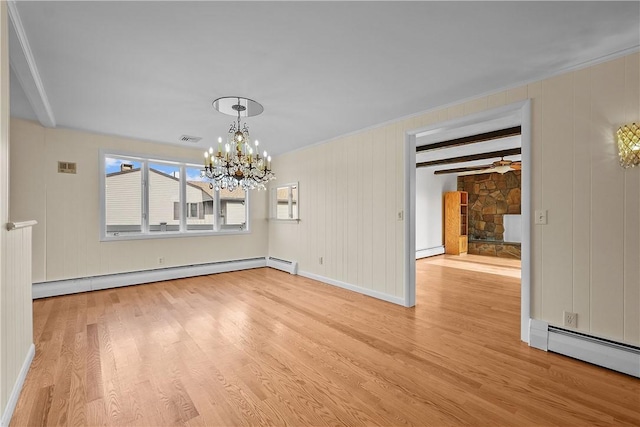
x: 285, y: 202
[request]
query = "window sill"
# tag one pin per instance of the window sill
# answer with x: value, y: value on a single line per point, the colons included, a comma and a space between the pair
x: 172, y: 235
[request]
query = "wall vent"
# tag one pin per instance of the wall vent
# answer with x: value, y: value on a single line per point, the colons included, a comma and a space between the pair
x: 66, y: 167
x: 188, y: 138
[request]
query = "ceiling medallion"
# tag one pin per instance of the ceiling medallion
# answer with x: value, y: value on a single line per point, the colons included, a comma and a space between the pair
x: 239, y: 164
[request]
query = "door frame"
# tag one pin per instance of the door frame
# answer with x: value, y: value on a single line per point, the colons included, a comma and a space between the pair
x: 522, y: 110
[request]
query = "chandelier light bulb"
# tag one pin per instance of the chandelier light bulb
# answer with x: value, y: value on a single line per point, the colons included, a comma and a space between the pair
x: 210, y: 150
x: 219, y: 140
x: 265, y: 155
x: 227, y: 147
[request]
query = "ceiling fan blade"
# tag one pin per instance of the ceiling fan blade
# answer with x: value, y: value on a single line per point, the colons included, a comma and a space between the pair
x: 459, y: 170
x: 516, y: 166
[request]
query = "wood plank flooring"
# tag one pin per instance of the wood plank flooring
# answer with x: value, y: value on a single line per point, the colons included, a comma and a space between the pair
x: 262, y: 347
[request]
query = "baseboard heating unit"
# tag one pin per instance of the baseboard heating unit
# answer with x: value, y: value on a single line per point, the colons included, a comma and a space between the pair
x: 610, y: 354
x: 85, y: 284
x: 283, y: 265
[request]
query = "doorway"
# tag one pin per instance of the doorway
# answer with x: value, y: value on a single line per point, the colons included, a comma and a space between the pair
x: 510, y: 115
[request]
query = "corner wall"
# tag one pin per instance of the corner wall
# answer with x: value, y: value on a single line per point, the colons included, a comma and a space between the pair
x: 584, y: 261
x: 66, y: 241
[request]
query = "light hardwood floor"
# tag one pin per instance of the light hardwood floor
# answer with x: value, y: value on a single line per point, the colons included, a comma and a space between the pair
x: 262, y: 347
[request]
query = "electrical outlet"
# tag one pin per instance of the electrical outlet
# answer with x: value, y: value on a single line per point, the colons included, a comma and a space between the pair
x: 570, y: 319
x: 160, y: 260
x: 321, y: 260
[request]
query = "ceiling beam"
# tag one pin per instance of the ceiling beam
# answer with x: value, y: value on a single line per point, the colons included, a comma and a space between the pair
x: 481, y: 137
x: 471, y: 157
x: 24, y: 66
x: 459, y: 170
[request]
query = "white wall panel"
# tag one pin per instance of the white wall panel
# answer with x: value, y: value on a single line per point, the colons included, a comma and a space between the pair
x: 557, y: 182
x: 607, y: 206
x: 583, y: 139
x: 632, y: 212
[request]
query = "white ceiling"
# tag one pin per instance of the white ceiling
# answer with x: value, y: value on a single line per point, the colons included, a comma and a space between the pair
x: 150, y: 70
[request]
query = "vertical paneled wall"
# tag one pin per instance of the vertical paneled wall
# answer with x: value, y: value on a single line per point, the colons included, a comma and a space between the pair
x: 585, y: 260
x: 66, y: 241
x: 17, y: 318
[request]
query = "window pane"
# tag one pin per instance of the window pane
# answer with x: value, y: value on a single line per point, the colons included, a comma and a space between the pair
x: 123, y: 196
x: 200, y: 201
x: 164, y: 191
x: 233, y: 210
x: 282, y: 200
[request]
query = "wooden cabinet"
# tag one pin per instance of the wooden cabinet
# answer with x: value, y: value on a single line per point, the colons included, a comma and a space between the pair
x: 456, y: 222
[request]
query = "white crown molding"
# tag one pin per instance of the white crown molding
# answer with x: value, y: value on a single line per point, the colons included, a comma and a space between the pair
x: 24, y: 66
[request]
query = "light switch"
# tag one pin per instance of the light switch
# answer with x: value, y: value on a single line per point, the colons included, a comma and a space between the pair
x: 540, y: 217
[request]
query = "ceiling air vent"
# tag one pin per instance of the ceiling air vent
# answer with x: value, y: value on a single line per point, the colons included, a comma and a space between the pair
x: 187, y: 138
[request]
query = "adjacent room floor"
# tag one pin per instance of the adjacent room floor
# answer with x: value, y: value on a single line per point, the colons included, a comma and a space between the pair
x: 262, y: 347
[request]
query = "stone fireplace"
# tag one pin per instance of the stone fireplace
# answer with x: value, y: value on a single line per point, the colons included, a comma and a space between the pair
x: 491, y: 196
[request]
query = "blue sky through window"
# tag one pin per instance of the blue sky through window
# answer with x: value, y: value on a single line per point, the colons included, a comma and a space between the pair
x: 114, y: 165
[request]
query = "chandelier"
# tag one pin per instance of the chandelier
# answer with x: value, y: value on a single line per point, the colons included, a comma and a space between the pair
x: 238, y: 162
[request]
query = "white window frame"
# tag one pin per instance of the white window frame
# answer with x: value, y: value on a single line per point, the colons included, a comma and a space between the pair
x: 144, y: 161
x: 274, y: 201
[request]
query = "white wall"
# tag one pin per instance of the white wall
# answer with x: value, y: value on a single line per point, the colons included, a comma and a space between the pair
x: 586, y: 260
x: 66, y: 241
x: 429, y: 206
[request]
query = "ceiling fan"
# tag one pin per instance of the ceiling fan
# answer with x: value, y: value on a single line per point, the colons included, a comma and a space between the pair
x: 499, y: 166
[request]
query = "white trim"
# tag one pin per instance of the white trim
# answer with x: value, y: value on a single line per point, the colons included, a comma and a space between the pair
x: 527, y: 223
x: 86, y: 284
x: 290, y: 267
x: 538, y: 334
x: 24, y: 66
x: 621, y: 358
x: 409, y: 219
x: 17, y: 387
x: 354, y: 288
x: 424, y: 253
x: 23, y: 224
x: 523, y: 109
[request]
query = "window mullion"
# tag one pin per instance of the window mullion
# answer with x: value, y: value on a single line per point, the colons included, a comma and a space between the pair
x: 145, y: 197
x: 183, y: 199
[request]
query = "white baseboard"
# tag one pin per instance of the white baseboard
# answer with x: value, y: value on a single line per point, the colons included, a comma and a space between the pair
x: 424, y: 253
x: 283, y: 265
x: 602, y: 352
x: 17, y: 388
x: 354, y: 288
x: 85, y: 284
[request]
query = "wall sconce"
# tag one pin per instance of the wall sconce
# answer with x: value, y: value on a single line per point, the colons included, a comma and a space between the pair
x: 629, y: 145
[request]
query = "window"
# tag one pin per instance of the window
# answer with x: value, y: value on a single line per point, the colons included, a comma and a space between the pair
x: 285, y: 202
x: 144, y: 198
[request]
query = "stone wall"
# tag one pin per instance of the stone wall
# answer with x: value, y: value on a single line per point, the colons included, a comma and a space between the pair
x: 498, y: 249
x: 491, y: 195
